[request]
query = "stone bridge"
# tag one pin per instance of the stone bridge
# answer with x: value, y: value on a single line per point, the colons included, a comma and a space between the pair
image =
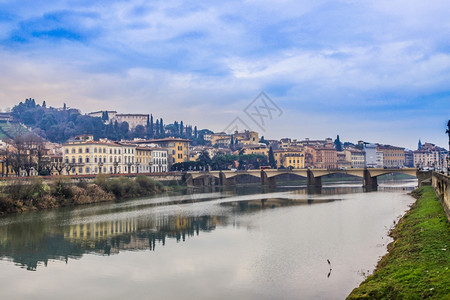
x: 268, y: 176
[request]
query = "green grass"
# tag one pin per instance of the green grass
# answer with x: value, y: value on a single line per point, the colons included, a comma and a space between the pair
x: 418, y: 262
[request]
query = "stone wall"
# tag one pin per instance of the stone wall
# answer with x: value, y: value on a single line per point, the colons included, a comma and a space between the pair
x: 441, y: 185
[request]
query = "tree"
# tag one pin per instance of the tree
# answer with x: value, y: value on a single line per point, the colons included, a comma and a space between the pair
x: 195, y: 132
x: 204, y: 159
x: 157, y: 128
x: 161, y: 126
x: 44, y: 105
x: 338, y: 144
x: 151, y: 131
x: 272, y: 162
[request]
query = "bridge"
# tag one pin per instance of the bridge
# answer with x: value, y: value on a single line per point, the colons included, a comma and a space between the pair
x: 313, y: 176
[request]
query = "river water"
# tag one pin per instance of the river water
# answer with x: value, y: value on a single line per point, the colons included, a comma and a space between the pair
x: 244, y: 243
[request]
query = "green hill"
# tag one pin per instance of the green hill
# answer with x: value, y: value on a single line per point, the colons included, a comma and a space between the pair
x: 11, y: 130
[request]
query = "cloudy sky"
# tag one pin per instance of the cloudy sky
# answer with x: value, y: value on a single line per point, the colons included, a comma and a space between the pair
x: 377, y: 71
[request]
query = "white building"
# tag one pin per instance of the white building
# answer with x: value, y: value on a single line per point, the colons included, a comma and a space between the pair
x: 371, y: 155
x: 84, y: 156
x: 430, y: 156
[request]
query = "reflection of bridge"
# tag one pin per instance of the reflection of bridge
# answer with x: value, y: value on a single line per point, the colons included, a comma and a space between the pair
x: 268, y: 177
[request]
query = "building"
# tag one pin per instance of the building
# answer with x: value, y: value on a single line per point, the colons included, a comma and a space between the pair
x: 326, y: 158
x: 221, y: 139
x: 178, y: 149
x: 133, y: 120
x: 371, y: 155
x: 357, y: 158
x: 246, y: 137
x: 83, y: 156
x: 260, y: 149
x: 380, y: 160
x: 111, y: 116
x: 393, y: 157
x: 430, y: 156
x: 106, y: 115
x: 151, y: 160
x: 289, y: 159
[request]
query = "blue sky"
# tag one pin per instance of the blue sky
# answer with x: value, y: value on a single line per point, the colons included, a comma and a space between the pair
x: 377, y: 71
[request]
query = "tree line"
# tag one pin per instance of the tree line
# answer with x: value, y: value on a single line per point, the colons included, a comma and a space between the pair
x: 59, y: 125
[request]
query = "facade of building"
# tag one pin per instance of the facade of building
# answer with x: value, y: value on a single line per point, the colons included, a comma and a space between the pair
x: 371, y: 155
x: 246, y: 137
x: 289, y: 159
x: 357, y: 158
x: 133, y: 120
x: 431, y: 157
x: 178, y: 149
x: 326, y: 158
x: 84, y: 156
x: 256, y: 149
x: 393, y: 157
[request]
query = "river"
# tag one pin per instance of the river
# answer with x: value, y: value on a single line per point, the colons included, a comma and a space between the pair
x: 244, y: 243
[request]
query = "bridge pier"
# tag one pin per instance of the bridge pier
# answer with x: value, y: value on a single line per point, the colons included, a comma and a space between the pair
x: 314, y: 182
x: 369, y: 182
x: 224, y: 181
x: 268, y: 181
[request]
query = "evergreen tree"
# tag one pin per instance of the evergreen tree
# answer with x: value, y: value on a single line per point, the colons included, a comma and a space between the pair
x: 195, y: 132
x: 338, y: 144
x: 272, y: 162
x: 157, y: 127
x: 151, y: 130
x: 161, y: 127
x: 44, y: 105
x: 181, y: 128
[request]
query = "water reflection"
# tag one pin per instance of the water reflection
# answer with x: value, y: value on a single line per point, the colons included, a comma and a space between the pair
x: 31, y: 240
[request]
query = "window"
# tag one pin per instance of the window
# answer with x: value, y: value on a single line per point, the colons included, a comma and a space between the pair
x: 87, y: 170
x: 73, y: 150
x: 87, y: 159
x: 95, y: 159
x: 73, y: 160
x: 67, y: 151
x: 80, y: 170
x: 87, y: 150
x: 95, y: 150
x: 80, y: 150
x: 80, y: 160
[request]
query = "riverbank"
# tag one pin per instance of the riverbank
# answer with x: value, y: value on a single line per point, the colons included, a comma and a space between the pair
x: 418, y: 261
x: 19, y: 196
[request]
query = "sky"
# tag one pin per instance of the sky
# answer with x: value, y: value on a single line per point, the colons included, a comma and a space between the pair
x: 377, y: 71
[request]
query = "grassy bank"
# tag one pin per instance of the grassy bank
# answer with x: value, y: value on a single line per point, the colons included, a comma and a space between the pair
x: 19, y: 196
x: 417, y: 265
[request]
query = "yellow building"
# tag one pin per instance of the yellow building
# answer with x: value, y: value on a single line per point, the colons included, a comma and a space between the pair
x: 393, y: 157
x: 178, y: 149
x: 246, y: 137
x: 256, y: 149
x: 289, y: 158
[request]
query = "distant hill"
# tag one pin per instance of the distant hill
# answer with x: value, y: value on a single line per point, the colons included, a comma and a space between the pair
x: 61, y: 124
